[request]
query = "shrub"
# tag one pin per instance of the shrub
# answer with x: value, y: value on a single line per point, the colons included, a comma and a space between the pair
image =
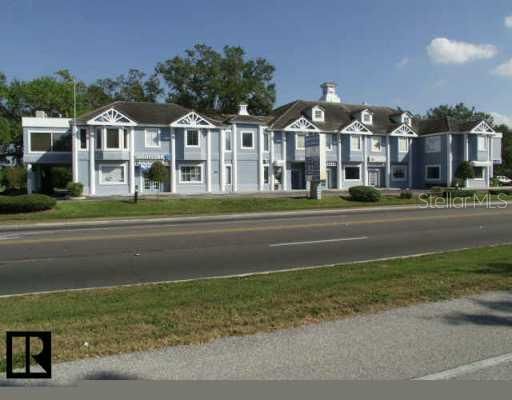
x: 464, y: 171
x: 500, y: 191
x: 15, y: 179
x: 364, y: 193
x: 406, y: 194
x: 25, y: 203
x: 459, y: 193
x: 60, y: 177
x: 158, y: 172
x: 75, y: 189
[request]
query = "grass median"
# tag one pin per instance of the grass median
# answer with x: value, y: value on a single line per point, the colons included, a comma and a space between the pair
x: 84, y: 209
x: 108, y: 321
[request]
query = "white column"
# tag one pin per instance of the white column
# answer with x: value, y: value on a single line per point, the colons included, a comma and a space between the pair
x: 449, y: 160
x: 466, y: 155
x: 209, y: 161
x: 490, y: 168
x: 284, y: 175
x: 132, y: 160
x: 340, y: 170
x: 271, y: 162
x: 234, y: 144
x: 388, y: 161
x: 30, y: 179
x: 74, y: 149
x: 222, y: 173
x: 92, y: 162
x: 411, y: 160
x: 261, y: 132
x: 365, y: 161
x: 173, y: 172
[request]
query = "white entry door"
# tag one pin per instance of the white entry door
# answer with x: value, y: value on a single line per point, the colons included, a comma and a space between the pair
x: 374, y: 177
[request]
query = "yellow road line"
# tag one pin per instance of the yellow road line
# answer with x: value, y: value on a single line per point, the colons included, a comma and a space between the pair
x: 242, y: 229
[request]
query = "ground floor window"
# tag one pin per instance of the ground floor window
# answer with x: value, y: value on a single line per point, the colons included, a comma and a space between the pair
x: 479, y: 172
x: 112, y: 174
x: 352, y: 173
x: 432, y: 172
x: 151, y: 186
x: 399, y: 172
x: 265, y: 174
x: 191, y: 174
x: 229, y: 174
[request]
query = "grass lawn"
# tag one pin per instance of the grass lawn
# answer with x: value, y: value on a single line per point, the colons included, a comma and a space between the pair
x: 77, y: 209
x: 147, y: 317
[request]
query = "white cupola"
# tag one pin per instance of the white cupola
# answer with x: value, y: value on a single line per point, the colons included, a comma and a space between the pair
x: 329, y: 93
x: 242, y: 110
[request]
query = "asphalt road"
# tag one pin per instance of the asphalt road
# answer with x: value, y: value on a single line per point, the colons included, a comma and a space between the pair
x: 45, y: 260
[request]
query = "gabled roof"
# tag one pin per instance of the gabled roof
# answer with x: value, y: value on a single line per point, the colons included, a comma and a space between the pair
x: 446, y: 124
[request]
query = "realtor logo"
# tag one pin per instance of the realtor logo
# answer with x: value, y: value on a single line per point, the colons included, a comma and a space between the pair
x: 26, y: 344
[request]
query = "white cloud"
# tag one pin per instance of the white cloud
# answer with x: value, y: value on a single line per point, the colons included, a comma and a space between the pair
x: 446, y: 51
x: 500, y: 119
x: 508, y: 21
x: 403, y: 62
x: 504, y: 69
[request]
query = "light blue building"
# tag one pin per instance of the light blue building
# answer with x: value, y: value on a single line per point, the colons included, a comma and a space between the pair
x: 111, y: 148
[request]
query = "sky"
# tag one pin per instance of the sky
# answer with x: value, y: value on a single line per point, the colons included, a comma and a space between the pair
x: 411, y: 54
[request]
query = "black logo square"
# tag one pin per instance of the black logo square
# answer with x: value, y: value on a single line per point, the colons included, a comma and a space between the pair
x: 43, y: 359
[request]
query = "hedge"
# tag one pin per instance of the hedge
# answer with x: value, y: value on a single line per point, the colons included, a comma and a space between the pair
x: 26, y: 203
x: 364, y: 193
x: 75, y: 189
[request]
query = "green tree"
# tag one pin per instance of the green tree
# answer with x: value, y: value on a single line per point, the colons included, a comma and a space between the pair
x: 464, y: 171
x: 209, y: 81
x: 458, y: 111
x: 506, y: 154
x: 158, y: 172
x: 130, y: 87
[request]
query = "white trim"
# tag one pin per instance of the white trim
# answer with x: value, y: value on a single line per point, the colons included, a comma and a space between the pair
x: 230, y: 142
x: 271, y: 162
x: 339, y: 167
x: 131, y: 138
x: 51, y: 132
x: 358, y: 166
x: 222, y: 158
x: 404, y: 130
x: 401, y: 139
x: 173, y: 171
x: 406, y: 174
x: 367, y: 113
x: 30, y: 178
x: 410, y: 163
x: 483, y: 127
x: 388, y: 162
x: 75, y: 145
x: 483, y: 138
x: 242, y: 147
x: 192, y: 120
x: 227, y: 165
x: 267, y: 140
x: 111, y: 117
x: 427, y: 179
x: 191, y: 182
x: 301, y: 125
x: 33, y: 122
x: 360, y: 140
x: 296, y: 141
x: 208, y: 161
x: 365, y: 161
x: 449, y: 157
x: 158, y: 133
x: 92, y: 162
x: 314, y: 118
x: 356, y: 128
x: 483, y: 173
x: 198, y: 130
x: 261, y: 138
x: 120, y: 139
x: 234, y: 157
x: 125, y: 178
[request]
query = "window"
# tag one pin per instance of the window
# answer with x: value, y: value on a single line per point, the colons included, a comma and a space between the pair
x: 367, y: 118
x: 318, y: 115
x: 355, y: 143
x: 403, y: 145
x: 126, y: 138
x: 112, y: 141
x: 112, y: 174
x: 192, y: 138
x: 152, y: 137
x: 247, y: 140
x: 191, y: 174
x: 98, y: 139
x: 83, y: 139
x: 479, y: 173
x: 482, y: 143
x: 265, y: 174
x: 266, y: 142
x: 376, y: 143
x: 229, y: 174
x: 228, y: 141
x: 406, y: 119
x: 328, y: 141
x: 352, y: 173
x: 399, y: 172
x: 300, y: 141
x: 432, y: 172
x: 61, y: 141
x: 40, y: 141
x: 433, y: 144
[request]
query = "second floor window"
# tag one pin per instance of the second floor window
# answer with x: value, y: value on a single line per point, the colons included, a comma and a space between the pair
x: 355, y: 143
x: 300, y: 144
x: 266, y: 142
x: 192, y: 138
x: 247, y: 140
x: 83, y: 139
x: 482, y: 143
x: 112, y: 141
x: 433, y: 144
x: 376, y: 143
x: 227, y: 140
x: 50, y: 141
x: 403, y: 145
x: 152, y: 137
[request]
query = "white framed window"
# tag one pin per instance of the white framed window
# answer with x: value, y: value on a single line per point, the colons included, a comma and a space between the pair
x: 353, y: 173
x: 266, y: 174
x: 300, y: 141
x: 191, y: 174
x: 328, y: 141
x: 481, y: 143
x: 83, y: 139
x: 433, y: 172
x: 228, y: 174
x: 318, y: 114
x: 433, y: 144
x: 367, y: 118
x: 399, y: 172
x: 479, y: 173
x: 266, y: 141
x: 152, y: 137
x: 42, y: 142
x: 112, y: 174
x: 227, y: 141
x: 113, y: 139
x: 355, y: 143
x: 126, y: 139
x: 406, y: 119
x: 98, y: 139
x: 403, y: 145
x: 247, y: 140
x: 376, y: 144
x: 192, y: 138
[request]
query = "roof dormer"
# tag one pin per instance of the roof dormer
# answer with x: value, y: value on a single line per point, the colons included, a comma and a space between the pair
x: 406, y: 118
x: 366, y: 117
x: 317, y: 114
